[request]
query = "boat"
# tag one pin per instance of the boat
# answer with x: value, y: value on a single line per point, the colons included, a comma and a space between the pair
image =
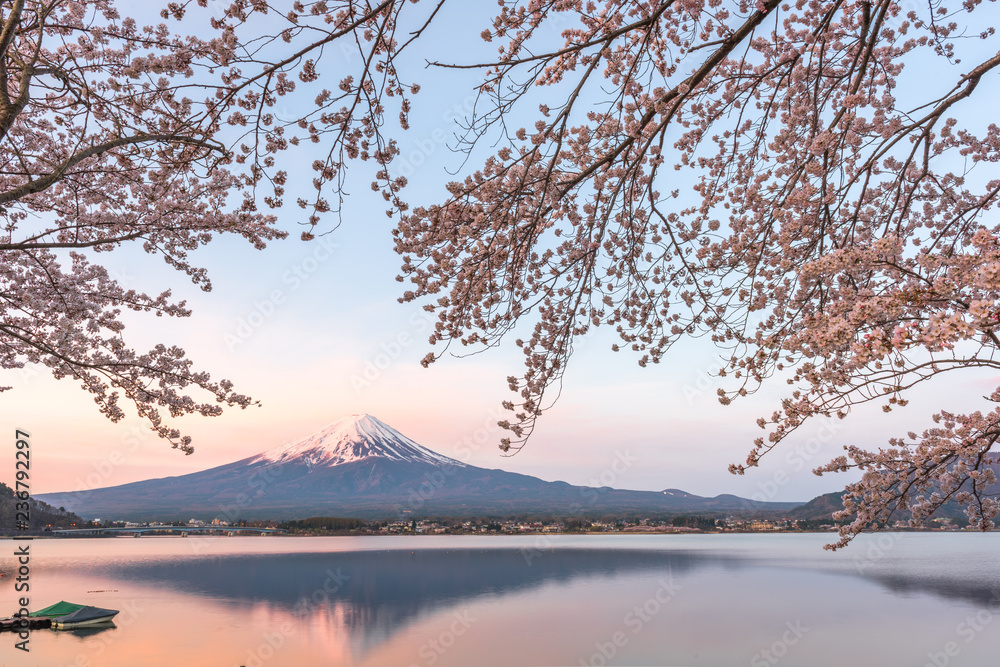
x: 68, y: 615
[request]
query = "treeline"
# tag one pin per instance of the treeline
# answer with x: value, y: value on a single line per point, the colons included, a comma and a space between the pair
x: 324, y: 523
x: 699, y: 522
x: 818, y: 524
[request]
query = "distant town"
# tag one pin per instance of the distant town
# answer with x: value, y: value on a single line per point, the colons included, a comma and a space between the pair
x: 506, y: 526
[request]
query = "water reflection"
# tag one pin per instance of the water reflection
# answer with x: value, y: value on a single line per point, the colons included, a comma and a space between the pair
x: 91, y: 631
x: 372, y: 603
x: 372, y: 594
x: 368, y: 597
x: 943, y: 586
x: 402, y: 583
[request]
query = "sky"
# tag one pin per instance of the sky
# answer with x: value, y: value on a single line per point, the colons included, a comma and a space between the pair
x: 314, y: 332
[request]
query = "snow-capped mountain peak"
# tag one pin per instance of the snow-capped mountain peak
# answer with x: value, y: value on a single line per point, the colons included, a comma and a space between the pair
x: 354, y: 438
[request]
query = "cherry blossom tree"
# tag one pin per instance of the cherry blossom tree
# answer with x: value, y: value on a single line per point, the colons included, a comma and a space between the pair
x: 805, y: 182
x: 113, y: 133
x: 808, y: 183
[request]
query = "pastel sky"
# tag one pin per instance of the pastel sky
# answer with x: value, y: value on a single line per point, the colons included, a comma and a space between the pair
x: 314, y: 332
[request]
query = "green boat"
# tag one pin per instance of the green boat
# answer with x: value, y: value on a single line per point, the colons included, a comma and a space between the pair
x: 67, y: 615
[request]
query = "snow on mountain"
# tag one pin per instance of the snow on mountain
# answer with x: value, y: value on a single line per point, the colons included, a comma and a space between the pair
x: 353, y: 438
x: 677, y: 493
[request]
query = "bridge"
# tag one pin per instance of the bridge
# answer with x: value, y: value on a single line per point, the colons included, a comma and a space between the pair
x: 184, y: 531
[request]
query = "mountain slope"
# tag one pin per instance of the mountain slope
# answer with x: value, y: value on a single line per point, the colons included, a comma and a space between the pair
x: 41, y: 514
x: 822, y: 507
x: 363, y: 468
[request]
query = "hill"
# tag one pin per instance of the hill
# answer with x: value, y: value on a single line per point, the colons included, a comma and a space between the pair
x: 821, y: 507
x: 41, y: 515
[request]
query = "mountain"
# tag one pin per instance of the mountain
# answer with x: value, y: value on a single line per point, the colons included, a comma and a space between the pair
x: 361, y: 467
x: 822, y: 507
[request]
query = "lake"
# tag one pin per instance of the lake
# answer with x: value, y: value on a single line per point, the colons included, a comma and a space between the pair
x: 412, y: 601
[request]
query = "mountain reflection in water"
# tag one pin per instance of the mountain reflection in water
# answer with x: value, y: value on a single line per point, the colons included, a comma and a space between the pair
x: 710, y: 600
x: 410, y: 580
x: 375, y: 592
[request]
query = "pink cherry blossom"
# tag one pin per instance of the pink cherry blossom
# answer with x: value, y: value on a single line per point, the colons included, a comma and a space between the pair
x: 773, y: 176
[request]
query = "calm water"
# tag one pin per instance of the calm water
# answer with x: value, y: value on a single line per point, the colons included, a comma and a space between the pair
x: 757, y: 600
